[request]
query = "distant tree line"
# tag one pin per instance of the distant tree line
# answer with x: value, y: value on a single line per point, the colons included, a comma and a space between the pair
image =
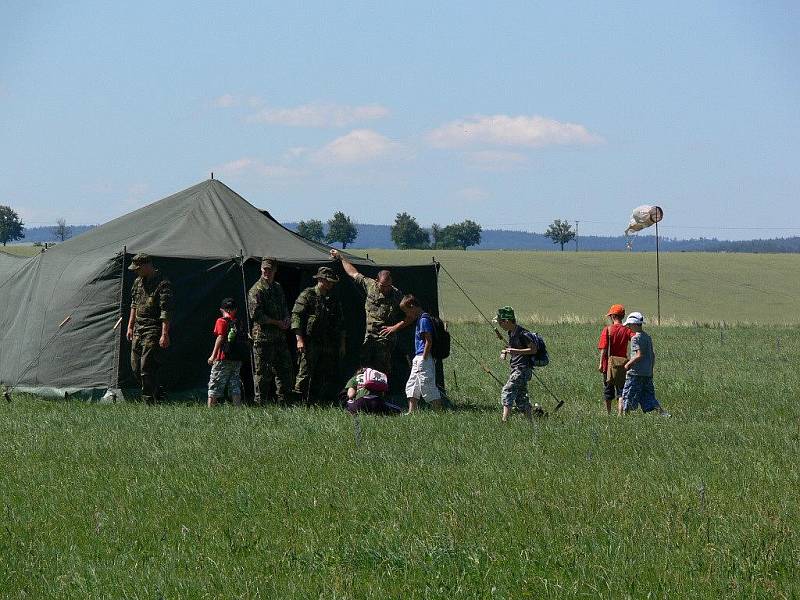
x: 407, y: 234
x: 341, y: 229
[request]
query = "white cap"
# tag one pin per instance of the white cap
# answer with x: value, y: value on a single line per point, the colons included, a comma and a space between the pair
x: 635, y: 318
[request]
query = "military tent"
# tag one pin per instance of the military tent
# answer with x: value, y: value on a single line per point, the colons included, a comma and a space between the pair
x: 64, y: 312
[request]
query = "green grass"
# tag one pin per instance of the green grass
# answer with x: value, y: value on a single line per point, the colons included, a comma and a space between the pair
x: 705, y: 287
x: 178, y: 501
x: 21, y: 250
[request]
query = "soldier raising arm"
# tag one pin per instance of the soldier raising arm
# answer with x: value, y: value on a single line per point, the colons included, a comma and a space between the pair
x: 383, y: 315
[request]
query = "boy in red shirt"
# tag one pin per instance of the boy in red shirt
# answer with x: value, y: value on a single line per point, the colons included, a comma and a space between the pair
x: 227, y: 356
x: 613, y: 356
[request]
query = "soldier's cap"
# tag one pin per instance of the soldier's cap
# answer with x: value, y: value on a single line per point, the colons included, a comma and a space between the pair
x: 140, y: 260
x: 505, y: 313
x: 270, y: 262
x: 327, y: 274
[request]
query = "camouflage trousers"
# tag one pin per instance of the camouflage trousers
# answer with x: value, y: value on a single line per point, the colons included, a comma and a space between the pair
x: 376, y: 353
x: 272, y: 360
x: 318, y: 372
x: 147, y: 358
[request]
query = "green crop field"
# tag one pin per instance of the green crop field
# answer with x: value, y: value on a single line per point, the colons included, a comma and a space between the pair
x: 178, y: 501
x: 706, y: 287
x: 579, y: 286
x: 21, y: 250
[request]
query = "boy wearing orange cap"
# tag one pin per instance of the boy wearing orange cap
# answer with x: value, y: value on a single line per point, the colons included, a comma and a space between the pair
x: 613, y: 346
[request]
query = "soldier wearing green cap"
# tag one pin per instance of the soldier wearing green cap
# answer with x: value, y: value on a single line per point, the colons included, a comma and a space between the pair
x: 148, y: 324
x: 270, y: 319
x: 318, y: 325
x: 521, y: 348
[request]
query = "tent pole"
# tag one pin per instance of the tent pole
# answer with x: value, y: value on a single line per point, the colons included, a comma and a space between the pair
x: 247, y: 320
x: 123, y: 326
x: 658, y: 279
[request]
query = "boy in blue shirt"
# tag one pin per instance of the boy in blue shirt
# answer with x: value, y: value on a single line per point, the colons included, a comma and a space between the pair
x: 422, y: 380
x: 639, y: 389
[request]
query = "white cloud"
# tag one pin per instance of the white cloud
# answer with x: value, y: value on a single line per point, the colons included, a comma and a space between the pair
x: 295, y: 152
x: 503, y: 130
x: 252, y: 166
x: 472, y: 194
x: 319, y: 115
x: 225, y: 101
x: 358, y: 146
x: 495, y: 160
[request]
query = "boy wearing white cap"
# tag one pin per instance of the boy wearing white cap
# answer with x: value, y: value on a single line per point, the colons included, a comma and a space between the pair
x: 639, y: 389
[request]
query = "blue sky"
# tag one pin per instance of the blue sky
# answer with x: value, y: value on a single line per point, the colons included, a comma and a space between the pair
x: 508, y: 113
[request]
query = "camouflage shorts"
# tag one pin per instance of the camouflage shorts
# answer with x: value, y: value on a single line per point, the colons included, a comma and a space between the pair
x: 515, y: 391
x: 225, y: 377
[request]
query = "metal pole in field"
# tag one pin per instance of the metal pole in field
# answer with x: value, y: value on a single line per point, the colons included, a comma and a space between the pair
x: 658, y: 280
x: 247, y: 324
x: 576, y: 235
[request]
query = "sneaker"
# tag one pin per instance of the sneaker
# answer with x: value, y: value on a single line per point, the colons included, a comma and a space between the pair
x: 664, y: 413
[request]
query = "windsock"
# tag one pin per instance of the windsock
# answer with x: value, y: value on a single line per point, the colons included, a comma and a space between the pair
x: 643, y: 217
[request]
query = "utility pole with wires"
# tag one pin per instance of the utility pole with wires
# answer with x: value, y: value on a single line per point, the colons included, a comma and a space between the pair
x: 576, y: 234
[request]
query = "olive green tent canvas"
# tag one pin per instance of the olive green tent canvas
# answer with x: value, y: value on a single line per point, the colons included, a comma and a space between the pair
x: 64, y: 312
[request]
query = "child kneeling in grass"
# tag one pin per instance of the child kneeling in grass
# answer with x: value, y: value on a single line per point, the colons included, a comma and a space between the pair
x: 227, y: 355
x: 366, y: 392
x: 639, y: 389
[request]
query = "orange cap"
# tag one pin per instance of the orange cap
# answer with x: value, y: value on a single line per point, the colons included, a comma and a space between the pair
x: 616, y: 309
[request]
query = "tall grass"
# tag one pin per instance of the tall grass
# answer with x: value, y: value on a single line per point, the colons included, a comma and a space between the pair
x: 179, y: 501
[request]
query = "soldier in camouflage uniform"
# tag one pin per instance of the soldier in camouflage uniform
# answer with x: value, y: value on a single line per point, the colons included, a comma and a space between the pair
x: 384, y: 317
x: 270, y: 319
x: 317, y: 322
x: 148, y: 325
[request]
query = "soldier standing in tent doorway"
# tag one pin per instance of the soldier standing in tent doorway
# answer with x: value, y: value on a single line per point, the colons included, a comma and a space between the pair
x: 317, y: 322
x: 384, y: 317
x: 148, y: 325
x: 270, y: 318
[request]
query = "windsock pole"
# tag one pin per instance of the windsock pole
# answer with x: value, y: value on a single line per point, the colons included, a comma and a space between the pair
x: 658, y: 281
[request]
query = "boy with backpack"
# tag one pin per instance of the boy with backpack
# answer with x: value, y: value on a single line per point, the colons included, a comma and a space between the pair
x: 226, y: 358
x: 422, y: 379
x: 639, y: 390
x: 523, y: 347
x: 613, y: 346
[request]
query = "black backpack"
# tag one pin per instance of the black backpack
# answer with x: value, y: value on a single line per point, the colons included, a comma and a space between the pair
x: 235, y: 346
x: 441, y: 339
x: 540, y: 359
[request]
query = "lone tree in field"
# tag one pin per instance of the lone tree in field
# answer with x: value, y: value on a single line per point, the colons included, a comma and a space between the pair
x: 560, y: 232
x: 406, y: 233
x: 458, y: 235
x: 62, y: 231
x: 11, y: 228
x: 341, y: 229
x: 311, y: 229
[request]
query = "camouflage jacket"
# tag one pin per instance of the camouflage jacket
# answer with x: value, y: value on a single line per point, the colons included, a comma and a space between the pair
x: 153, y: 302
x: 381, y: 310
x: 266, y: 301
x: 317, y: 316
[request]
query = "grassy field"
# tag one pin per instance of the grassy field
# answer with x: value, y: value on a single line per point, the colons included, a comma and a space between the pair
x: 705, y: 287
x: 552, y: 286
x: 178, y: 501
x: 21, y: 250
